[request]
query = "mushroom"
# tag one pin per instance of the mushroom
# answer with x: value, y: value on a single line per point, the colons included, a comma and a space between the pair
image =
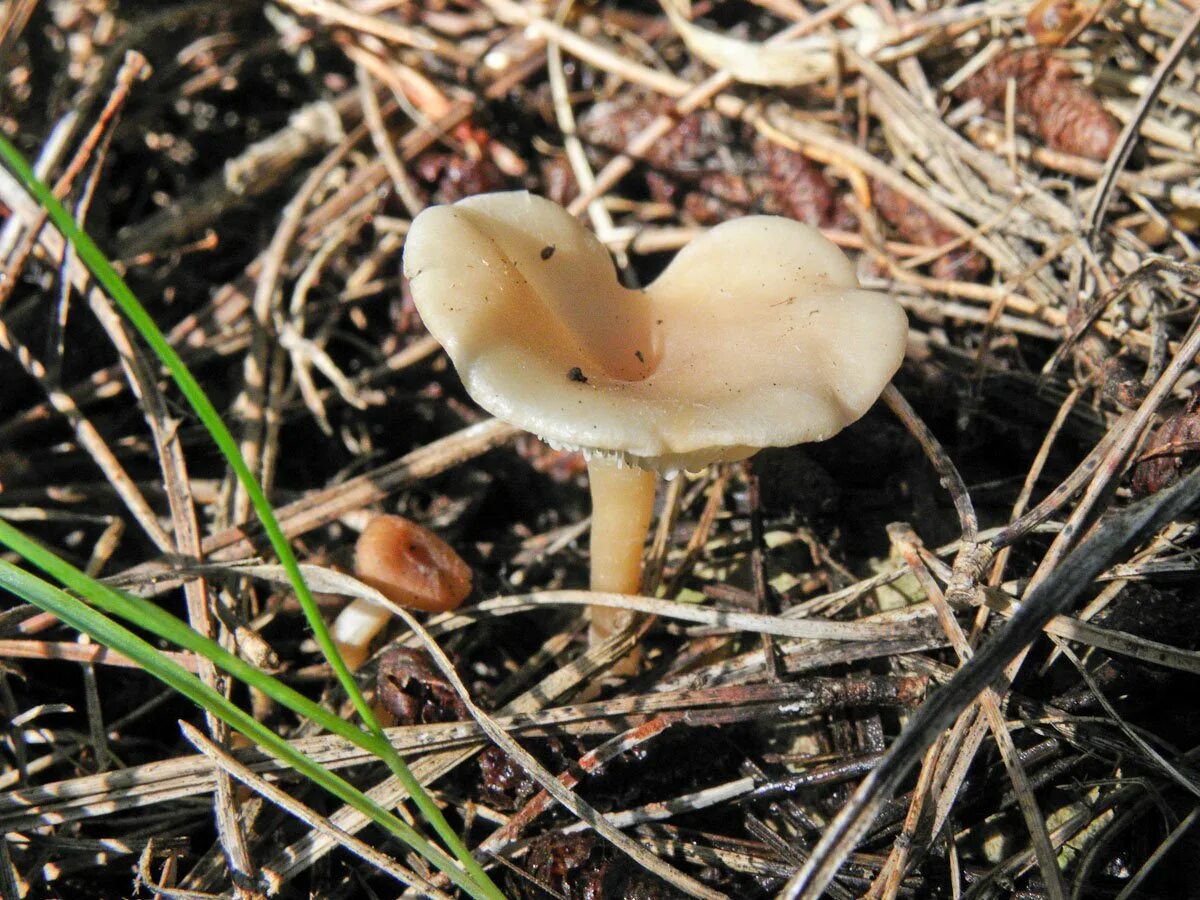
x: 409, y: 565
x: 755, y: 335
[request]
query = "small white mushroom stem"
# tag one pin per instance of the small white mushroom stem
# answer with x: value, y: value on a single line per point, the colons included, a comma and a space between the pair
x: 355, y: 628
x: 622, y: 504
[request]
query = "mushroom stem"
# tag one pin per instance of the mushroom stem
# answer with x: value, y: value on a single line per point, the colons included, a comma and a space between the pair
x: 355, y: 628
x: 622, y: 504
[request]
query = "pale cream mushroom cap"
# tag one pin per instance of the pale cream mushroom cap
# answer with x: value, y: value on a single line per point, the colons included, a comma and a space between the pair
x: 756, y: 335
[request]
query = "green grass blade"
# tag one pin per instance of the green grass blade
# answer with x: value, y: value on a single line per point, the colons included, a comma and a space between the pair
x: 104, y: 630
x: 158, y: 621
x: 115, y: 286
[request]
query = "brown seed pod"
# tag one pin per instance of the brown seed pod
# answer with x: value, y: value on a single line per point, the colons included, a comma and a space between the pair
x: 1066, y: 113
x: 1171, y: 450
x: 411, y: 565
x: 917, y: 226
x: 795, y: 186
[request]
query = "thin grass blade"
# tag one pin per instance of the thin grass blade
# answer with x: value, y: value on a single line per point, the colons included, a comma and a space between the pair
x: 104, y: 630
x: 114, y: 285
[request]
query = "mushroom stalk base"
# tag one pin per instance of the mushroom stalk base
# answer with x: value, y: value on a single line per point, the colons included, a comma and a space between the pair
x: 622, y: 504
x: 355, y: 628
